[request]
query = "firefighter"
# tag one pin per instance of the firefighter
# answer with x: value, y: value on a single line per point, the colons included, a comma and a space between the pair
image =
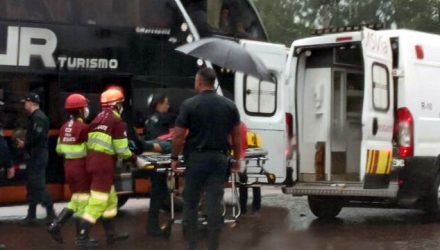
x: 107, y: 140
x: 72, y: 145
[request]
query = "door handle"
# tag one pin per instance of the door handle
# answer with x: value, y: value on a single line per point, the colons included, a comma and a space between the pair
x: 375, y: 125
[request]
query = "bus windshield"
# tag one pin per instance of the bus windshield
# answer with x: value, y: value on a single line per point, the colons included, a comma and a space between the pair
x: 234, y: 18
x: 110, y: 13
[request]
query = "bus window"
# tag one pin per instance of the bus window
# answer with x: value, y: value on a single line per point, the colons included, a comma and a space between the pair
x: 157, y: 14
x: 32, y: 10
x: 35, y: 10
x: 234, y: 18
x: 15, y: 86
x: 126, y: 13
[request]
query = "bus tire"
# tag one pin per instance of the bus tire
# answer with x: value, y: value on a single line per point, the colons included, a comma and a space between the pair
x: 325, y: 207
x: 432, y: 202
x: 122, y: 199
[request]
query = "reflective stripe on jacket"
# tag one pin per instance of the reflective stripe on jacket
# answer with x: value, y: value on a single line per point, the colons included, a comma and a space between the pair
x: 108, y: 135
x: 72, y: 140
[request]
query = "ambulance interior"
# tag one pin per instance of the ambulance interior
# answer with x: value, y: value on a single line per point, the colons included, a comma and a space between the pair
x: 330, y: 87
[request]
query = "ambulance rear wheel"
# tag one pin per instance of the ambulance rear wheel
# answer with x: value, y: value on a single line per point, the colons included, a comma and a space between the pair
x: 325, y: 207
x: 432, y: 202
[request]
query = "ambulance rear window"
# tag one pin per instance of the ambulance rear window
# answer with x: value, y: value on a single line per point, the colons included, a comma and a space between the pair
x: 350, y: 54
x: 381, y: 87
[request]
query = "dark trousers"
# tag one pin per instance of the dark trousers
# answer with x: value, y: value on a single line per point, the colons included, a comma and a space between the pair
x: 159, y: 191
x: 36, y: 180
x: 206, y: 171
x: 256, y: 202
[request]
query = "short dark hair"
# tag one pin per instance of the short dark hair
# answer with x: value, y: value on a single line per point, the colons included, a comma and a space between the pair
x: 208, y: 75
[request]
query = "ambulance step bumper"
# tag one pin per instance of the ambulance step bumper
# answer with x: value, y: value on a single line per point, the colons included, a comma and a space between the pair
x: 300, y: 189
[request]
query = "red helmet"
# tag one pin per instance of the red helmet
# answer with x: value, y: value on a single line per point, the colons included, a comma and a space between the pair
x: 111, y: 97
x: 75, y: 101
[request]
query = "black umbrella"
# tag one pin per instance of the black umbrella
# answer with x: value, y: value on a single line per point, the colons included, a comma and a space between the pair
x: 227, y: 54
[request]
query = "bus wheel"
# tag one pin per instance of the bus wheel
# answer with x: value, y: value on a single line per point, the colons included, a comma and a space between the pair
x: 122, y: 199
x: 432, y: 202
x: 325, y: 207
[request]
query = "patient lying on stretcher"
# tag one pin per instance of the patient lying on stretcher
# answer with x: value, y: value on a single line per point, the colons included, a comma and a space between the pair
x: 161, y: 144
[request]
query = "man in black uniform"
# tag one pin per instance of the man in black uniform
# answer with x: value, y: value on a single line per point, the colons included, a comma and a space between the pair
x: 36, y: 147
x: 5, y: 158
x: 210, y: 119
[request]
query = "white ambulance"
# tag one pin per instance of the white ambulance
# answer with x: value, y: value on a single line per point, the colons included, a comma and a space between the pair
x: 262, y: 106
x: 366, y: 106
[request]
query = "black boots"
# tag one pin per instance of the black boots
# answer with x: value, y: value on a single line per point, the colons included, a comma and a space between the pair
x: 110, y: 233
x: 31, y: 216
x: 50, y: 214
x: 83, y: 230
x: 82, y: 238
x: 54, y: 228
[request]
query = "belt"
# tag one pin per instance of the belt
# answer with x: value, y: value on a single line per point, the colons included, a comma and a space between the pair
x: 208, y: 150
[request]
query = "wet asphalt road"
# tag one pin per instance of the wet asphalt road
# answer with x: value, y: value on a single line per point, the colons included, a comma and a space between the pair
x: 285, y: 222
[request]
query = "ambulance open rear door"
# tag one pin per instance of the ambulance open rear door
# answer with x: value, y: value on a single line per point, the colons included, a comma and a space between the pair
x: 377, y: 113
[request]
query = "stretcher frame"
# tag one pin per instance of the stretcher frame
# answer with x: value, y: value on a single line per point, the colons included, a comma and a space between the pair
x: 161, y: 163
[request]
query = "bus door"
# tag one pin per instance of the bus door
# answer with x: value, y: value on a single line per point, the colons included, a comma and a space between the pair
x: 261, y: 104
x: 377, y: 114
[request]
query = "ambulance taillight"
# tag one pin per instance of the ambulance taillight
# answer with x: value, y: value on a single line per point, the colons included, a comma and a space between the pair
x: 405, y: 130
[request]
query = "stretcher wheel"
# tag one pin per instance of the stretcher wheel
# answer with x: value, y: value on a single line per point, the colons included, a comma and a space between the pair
x: 271, y: 178
x: 166, y: 229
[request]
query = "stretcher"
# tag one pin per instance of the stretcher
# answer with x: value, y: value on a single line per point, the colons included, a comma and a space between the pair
x: 253, y: 163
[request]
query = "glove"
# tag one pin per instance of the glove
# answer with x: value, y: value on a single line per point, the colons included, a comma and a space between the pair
x: 140, y: 162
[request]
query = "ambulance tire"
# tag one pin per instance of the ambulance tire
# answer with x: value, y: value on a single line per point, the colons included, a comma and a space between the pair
x: 325, y: 207
x: 432, y: 201
x: 122, y: 199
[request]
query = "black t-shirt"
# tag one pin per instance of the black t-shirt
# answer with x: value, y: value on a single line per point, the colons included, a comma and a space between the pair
x: 209, y: 119
x: 158, y: 124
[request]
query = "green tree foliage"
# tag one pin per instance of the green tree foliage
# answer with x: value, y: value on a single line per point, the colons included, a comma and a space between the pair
x: 420, y: 15
x: 286, y: 20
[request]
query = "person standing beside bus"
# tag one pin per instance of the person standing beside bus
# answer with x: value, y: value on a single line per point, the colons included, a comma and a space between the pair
x: 72, y: 145
x: 159, y: 123
x: 5, y: 159
x: 37, y: 156
x: 107, y: 140
x: 210, y: 119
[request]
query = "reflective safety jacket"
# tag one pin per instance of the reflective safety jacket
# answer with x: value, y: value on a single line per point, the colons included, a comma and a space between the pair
x: 72, y: 140
x: 107, y: 134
